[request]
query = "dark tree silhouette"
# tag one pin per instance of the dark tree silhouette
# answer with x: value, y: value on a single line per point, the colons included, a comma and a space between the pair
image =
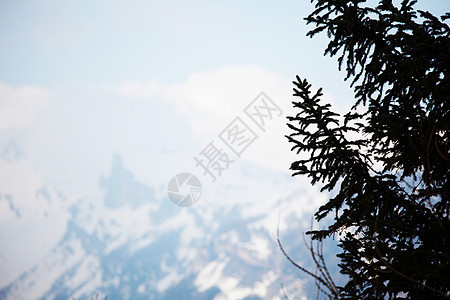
x: 392, y: 181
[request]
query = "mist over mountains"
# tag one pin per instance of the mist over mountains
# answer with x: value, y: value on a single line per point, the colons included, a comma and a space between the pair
x: 135, y: 244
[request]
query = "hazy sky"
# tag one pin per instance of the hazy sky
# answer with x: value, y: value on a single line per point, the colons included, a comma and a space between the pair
x: 81, y: 80
x: 84, y: 79
x: 105, y: 42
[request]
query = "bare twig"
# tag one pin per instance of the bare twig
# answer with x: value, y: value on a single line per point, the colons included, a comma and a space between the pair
x: 324, y: 282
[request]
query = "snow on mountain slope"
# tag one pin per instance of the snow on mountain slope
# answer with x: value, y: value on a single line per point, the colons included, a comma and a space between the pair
x: 33, y: 217
x: 135, y: 244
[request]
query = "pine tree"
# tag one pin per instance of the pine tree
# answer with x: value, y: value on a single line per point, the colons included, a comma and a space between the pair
x: 391, y: 184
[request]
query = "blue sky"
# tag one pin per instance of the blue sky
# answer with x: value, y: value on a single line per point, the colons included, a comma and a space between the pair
x: 103, y: 42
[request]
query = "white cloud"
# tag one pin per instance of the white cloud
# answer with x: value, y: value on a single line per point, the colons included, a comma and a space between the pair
x: 211, y: 100
x: 219, y: 94
x: 136, y: 89
x: 18, y: 106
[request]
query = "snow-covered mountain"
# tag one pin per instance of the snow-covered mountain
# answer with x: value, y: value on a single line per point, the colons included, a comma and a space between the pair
x: 134, y: 243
